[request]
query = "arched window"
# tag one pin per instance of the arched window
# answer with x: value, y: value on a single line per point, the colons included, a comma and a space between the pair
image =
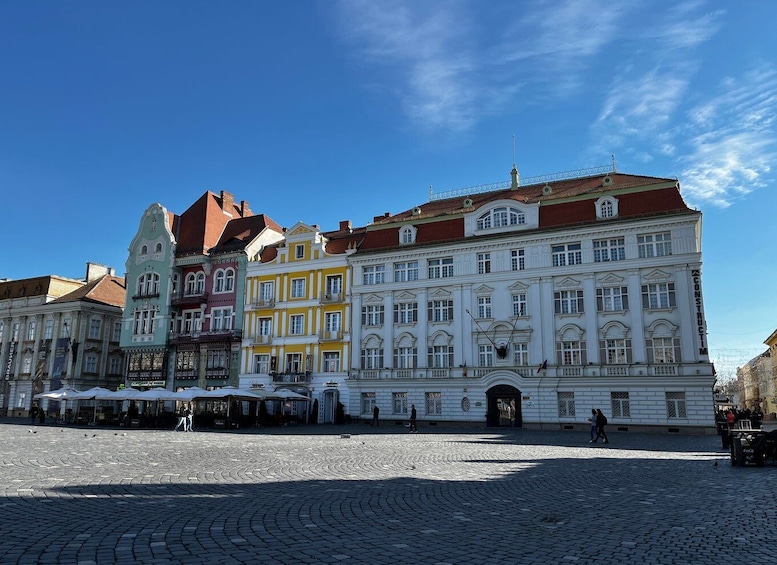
x: 501, y: 217
x: 229, y: 281
x: 407, y: 235
x: 31, y: 330
x: 158, y: 248
x: 606, y: 207
x: 144, y: 250
x: 191, y: 284
x: 200, y: 283
x: 148, y: 284
x: 218, y: 284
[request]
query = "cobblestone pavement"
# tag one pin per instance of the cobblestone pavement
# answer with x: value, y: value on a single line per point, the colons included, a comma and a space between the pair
x: 355, y: 494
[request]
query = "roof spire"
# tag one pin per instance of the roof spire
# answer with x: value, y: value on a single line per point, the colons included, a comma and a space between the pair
x: 614, y: 168
x: 515, y: 178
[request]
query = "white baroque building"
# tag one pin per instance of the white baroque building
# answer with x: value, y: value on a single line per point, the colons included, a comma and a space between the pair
x: 531, y: 305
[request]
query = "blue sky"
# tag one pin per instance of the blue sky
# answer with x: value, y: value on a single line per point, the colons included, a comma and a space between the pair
x: 325, y: 111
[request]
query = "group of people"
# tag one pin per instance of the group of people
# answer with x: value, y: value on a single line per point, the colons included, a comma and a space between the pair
x: 598, y: 422
x: 185, y: 418
x: 732, y: 416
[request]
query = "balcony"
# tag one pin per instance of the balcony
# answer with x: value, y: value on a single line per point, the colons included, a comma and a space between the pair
x: 177, y: 338
x: 191, y: 299
x: 336, y: 335
x: 332, y: 297
x: 263, y: 303
x: 290, y: 377
x: 144, y: 296
x: 263, y: 339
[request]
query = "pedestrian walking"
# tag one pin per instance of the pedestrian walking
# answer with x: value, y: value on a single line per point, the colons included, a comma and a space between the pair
x: 375, y: 413
x: 181, y: 420
x: 34, y: 413
x: 413, y: 415
x: 189, y: 420
x: 601, y: 421
x: 592, y: 419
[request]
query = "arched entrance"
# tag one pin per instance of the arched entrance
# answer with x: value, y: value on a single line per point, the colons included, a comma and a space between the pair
x: 503, y: 404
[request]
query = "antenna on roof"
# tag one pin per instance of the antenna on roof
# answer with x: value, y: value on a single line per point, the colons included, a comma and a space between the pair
x: 515, y: 179
x: 614, y: 168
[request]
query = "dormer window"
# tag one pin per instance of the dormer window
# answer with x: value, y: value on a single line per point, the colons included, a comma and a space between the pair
x: 407, y: 235
x: 606, y: 207
x: 501, y: 217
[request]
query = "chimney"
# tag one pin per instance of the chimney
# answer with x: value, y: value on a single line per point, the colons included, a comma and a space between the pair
x: 345, y: 225
x: 227, y: 202
x: 515, y: 179
x: 383, y: 217
x: 245, y: 211
x: 94, y: 271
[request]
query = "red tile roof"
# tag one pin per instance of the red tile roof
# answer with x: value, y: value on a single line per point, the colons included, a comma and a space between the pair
x: 242, y: 231
x: 200, y: 227
x: 104, y: 290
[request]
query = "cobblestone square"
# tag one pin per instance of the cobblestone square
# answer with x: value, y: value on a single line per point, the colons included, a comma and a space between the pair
x: 355, y: 494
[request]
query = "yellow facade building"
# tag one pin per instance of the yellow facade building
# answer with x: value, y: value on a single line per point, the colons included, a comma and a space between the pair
x: 296, y: 331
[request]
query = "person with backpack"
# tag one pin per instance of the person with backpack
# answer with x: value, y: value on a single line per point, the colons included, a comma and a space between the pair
x: 601, y: 421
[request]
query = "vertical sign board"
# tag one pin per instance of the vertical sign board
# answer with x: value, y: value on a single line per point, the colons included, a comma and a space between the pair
x: 60, y: 356
x: 699, y: 306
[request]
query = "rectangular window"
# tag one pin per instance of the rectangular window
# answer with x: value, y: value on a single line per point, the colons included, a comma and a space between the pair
x: 334, y: 286
x: 372, y: 358
x: 264, y: 326
x: 663, y: 350
x: 372, y: 315
x: 484, y: 263
x: 654, y: 245
x: 406, y: 313
x: 567, y: 254
x: 331, y: 361
x: 571, y: 352
x: 91, y: 363
x: 333, y: 321
x: 48, y: 330
x: 368, y: 402
x: 612, y: 299
x: 521, y: 354
x: 405, y: 357
x: 299, y: 251
x: 374, y: 275
x: 566, y: 404
x: 440, y: 356
x: 441, y: 268
x: 615, y: 351
x: 484, y: 307
x: 658, y: 295
x: 143, y: 322
x: 486, y: 355
x: 517, y: 260
x: 613, y: 249
x: 266, y: 292
x: 262, y: 363
x: 568, y: 302
x: 116, y: 337
x: 520, y: 307
x: 434, y: 403
x: 440, y: 311
x: 297, y: 324
x: 294, y: 363
x: 298, y: 288
x: 216, y: 359
x: 407, y: 271
x: 620, y: 405
x: 675, y: 405
x: 186, y: 361
x: 221, y: 319
x: 399, y: 402
x: 31, y: 330
x: 114, y: 366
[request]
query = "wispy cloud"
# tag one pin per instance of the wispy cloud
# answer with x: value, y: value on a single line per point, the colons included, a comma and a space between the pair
x: 450, y: 69
x: 732, y: 139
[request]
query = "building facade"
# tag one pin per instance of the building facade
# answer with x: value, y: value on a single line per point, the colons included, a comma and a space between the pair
x: 530, y: 305
x: 183, y: 321
x: 297, y: 321
x: 57, y: 332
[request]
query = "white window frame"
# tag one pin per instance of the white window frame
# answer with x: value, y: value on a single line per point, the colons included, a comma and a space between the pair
x: 611, y: 249
x: 262, y: 363
x: 440, y: 268
x: 299, y: 251
x: 333, y: 321
x: 484, y: 263
x: 654, y: 245
x: 95, y: 327
x: 566, y: 404
x: 484, y: 307
x: 399, y: 402
x: 405, y: 312
x: 440, y: 311
x: 297, y: 324
x: 616, y: 351
x: 500, y: 217
x: 373, y: 315
x: 520, y: 305
x: 658, y: 296
x: 521, y: 354
x: 374, y: 274
x: 405, y: 357
x: 566, y: 254
x: 612, y: 299
x: 620, y: 404
x: 406, y: 271
x: 485, y: 355
x: 571, y: 353
x: 372, y: 358
x: 676, y: 407
x: 298, y: 288
x: 568, y: 302
x: 433, y: 401
x: 440, y: 356
x: 267, y: 291
x: 331, y: 361
x: 517, y: 260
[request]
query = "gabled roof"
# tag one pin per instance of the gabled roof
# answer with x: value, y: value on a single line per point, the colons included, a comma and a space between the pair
x: 200, y: 227
x: 49, y: 285
x: 104, y: 290
x: 240, y: 232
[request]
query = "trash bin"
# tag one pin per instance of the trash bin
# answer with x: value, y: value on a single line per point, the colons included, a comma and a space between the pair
x: 725, y: 439
x: 737, y: 453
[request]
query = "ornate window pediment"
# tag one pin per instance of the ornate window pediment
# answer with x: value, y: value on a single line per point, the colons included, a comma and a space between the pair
x: 657, y: 275
x: 568, y: 282
x: 611, y: 279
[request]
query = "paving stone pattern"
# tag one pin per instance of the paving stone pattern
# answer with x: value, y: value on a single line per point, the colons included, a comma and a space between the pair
x: 378, y: 495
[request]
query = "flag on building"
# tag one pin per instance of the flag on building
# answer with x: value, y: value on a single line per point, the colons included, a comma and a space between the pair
x: 543, y: 366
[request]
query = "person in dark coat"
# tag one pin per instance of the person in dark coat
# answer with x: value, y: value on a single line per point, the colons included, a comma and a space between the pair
x: 601, y: 421
x: 413, y: 415
x: 375, y: 413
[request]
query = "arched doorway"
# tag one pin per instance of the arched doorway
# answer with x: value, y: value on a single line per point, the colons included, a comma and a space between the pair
x: 503, y: 404
x: 328, y: 406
